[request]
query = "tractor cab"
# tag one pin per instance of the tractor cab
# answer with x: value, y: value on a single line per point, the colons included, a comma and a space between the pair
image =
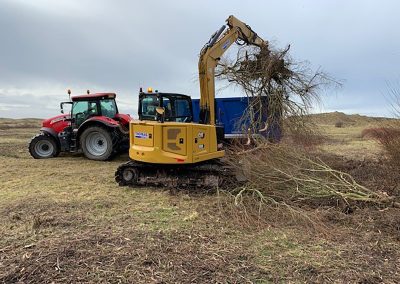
x: 91, y: 105
x: 176, y: 107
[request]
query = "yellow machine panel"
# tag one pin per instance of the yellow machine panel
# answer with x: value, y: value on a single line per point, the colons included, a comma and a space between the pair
x: 142, y: 135
x: 201, y: 140
x: 172, y: 142
x: 175, y: 140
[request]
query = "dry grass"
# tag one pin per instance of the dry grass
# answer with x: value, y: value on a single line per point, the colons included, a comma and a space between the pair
x: 7, y: 123
x: 347, y: 141
x: 65, y: 220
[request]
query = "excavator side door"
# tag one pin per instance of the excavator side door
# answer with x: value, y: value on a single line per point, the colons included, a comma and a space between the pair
x: 175, y: 140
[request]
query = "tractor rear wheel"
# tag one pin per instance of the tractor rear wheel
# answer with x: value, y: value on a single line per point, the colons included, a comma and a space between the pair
x: 97, y: 143
x: 43, y: 146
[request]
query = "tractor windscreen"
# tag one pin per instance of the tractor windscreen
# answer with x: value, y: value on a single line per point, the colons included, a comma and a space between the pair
x: 108, y: 108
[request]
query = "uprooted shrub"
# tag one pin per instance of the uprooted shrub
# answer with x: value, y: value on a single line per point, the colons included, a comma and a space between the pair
x: 281, y: 90
x: 278, y: 174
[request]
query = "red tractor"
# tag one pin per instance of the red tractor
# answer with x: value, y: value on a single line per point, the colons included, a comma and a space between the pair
x: 93, y: 126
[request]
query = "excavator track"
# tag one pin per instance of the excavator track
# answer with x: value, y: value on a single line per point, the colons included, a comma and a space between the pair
x: 208, y: 175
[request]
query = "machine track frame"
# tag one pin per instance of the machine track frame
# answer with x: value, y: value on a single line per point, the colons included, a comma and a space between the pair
x: 208, y: 175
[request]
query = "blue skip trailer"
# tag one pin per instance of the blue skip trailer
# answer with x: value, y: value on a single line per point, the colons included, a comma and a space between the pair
x: 229, y: 112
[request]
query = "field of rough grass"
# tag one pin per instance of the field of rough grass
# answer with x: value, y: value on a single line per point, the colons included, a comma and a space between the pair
x: 65, y: 220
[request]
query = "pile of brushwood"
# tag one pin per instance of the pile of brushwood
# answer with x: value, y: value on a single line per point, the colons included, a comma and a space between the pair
x: 282, y: 91
x: 281, y: 174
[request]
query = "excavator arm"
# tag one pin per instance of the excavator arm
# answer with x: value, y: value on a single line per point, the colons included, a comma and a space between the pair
x: 211, y: 53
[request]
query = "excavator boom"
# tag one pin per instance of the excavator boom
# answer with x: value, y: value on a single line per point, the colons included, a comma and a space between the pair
x: 211, y: 53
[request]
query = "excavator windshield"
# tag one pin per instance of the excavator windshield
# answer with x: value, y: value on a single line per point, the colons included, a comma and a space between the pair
x: 147, y: 107
x: 178, y: 108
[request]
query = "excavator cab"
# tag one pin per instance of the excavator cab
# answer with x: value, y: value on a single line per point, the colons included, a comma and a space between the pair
x: 177, y: 107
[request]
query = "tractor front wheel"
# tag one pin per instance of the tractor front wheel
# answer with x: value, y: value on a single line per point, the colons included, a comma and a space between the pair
x: 97, y: 143
x: 43, y: 146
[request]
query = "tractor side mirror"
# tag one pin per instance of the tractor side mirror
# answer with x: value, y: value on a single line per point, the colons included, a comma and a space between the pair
x: 62, y: 107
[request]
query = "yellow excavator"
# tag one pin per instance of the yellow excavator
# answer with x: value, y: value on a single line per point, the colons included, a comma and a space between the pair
x: 177, y: 152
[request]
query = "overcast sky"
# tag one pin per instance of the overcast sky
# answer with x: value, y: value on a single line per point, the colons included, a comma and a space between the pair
x: 48, y: 46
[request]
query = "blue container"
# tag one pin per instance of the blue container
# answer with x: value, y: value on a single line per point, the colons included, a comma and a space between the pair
x: 229, y: 112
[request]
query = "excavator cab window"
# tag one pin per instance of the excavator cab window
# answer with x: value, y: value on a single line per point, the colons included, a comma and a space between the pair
x: 183, y: 110
x: 147, y: 107
x: 178, y: 108
x: 166, y: 103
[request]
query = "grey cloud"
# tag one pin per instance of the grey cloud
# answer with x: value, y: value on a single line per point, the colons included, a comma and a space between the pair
x: 122, y: 45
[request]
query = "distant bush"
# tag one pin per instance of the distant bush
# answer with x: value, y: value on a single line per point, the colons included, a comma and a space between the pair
x: 381, y: 133
x: 389, y: 138
x: 339, y: 124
